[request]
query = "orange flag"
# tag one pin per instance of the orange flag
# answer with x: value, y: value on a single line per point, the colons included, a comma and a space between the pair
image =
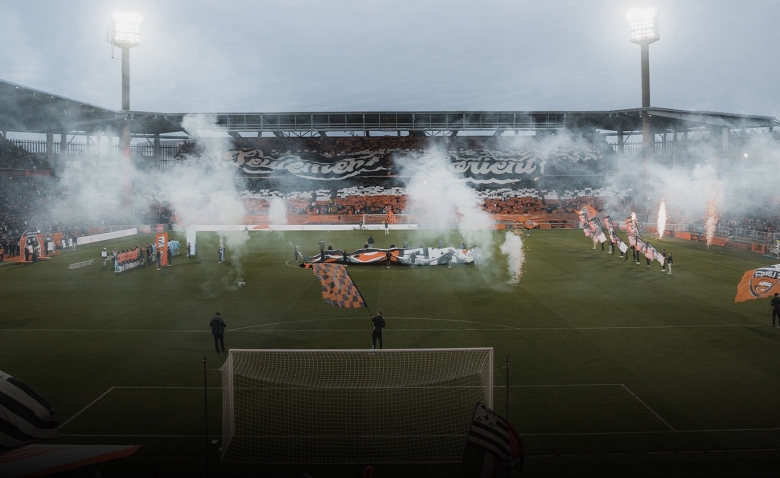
x: 759, y: 283
x: 338, y: 289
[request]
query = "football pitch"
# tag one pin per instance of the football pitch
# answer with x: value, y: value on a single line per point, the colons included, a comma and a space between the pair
x: 605, y: 356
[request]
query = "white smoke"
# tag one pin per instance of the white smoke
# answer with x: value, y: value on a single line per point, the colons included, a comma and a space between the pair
x: 204, y: 189
x: 513, y: 249
x: 441, y: 200
x: 277, y: 211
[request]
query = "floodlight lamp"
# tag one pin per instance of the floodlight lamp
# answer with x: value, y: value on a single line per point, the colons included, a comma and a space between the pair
x: 125, y: 29
x: 644, y: 25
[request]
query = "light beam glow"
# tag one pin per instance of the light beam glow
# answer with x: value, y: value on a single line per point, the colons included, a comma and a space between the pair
x: 661, y: 220
x: 644, y: 25
x: 126, y: 28
x: 710, y: 219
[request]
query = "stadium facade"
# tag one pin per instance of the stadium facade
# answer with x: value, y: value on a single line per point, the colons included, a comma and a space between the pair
x: 62, y: 120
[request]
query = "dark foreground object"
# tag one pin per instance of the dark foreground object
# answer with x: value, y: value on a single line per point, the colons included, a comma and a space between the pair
x: 743, y: 463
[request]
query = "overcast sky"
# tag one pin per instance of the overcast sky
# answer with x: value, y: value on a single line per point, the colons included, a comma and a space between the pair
x: 356, y: 55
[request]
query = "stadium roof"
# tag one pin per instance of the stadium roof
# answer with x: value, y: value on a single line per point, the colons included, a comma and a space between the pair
x: 27, y: 110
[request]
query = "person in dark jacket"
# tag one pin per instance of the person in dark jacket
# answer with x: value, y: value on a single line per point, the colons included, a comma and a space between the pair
x: 218, y: 331
x: 379, y: 324
x: 775, y: 305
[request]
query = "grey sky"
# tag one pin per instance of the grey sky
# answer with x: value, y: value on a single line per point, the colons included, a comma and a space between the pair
x: 327, y: 55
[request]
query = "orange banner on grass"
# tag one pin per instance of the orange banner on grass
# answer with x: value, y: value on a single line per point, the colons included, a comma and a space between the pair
x: 161, y: 243
x: 759, y: 283
x: 338, y: 289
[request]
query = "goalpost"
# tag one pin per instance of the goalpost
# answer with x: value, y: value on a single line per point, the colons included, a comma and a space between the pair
x: 370, y: 220
x: 351, y: 406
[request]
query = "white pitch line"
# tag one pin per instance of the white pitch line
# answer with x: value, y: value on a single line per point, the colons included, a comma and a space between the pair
x: 503, y: 328
x: 131, y: 436
x: 598, y: 385
x: 643, y: 432
x: 508, y: 327
x: 83, y: 409
x: 104, y: 330
x: 648, y: 407
x: 170, y: 388
x: 650, y: 432
x: 563, y: 385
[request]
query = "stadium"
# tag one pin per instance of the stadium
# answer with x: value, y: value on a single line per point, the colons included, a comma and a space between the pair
x: 494, y: 245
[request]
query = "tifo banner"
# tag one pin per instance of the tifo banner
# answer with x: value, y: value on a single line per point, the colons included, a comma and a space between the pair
x: 255, y: 162
x: 758, y: 283
x: 476, y: 166
x: 338, y: 289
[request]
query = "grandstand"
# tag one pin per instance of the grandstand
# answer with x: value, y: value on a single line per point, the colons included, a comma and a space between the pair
x: 557, y: 160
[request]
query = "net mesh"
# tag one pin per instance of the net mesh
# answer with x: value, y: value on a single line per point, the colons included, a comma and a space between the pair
x: 379, y: 219
x: 354, y: 406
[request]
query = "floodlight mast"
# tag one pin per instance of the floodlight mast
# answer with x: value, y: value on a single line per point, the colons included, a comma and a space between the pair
x: 125, y: 33
x: 644, y: 31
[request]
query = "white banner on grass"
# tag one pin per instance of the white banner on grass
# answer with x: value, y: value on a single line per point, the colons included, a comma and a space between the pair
x: 106, y: 236
x: 297, y: 227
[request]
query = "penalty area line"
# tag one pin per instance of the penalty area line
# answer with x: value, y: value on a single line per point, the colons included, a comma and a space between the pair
x: 495, y: 327
x: 650, y: 432
x: 648, y: 407
x: 622, y: 385
x: 128, y: 388
x: 85, y: 408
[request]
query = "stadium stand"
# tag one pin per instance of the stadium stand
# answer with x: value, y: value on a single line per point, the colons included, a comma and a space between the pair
x: 27, y: 198
x: 13, y: 157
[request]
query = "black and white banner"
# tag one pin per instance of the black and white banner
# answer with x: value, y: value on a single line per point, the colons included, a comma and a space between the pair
x: 25, y: 416
x: 254, y: 162
x: 475, y: 166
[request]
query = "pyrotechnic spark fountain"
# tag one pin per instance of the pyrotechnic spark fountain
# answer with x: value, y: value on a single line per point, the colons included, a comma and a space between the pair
x: 710, y: 219
x: 513, y: 249
x: 661, y: 222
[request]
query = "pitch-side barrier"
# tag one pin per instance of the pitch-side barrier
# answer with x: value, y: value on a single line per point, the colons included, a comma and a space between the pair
x: 297, y: 227
x: 106, y: 236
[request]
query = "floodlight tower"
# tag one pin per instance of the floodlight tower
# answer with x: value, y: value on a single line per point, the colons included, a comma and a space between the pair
x: 125, y: 32
x: 644, y: 31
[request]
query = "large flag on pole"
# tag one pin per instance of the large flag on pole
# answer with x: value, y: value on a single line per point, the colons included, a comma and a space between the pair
x: 25, y: 416
x: 493, y: 446
x: 633, y: 233
x: 597, y: 231
x: 338, y: 289
x: 759, y: 283
x: 583, y: 215
x: 613, y: 236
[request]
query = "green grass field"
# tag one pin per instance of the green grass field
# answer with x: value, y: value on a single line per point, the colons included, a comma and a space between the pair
x: 605, y: 356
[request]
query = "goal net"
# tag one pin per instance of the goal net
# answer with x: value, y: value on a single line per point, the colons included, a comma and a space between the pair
x: 379, y: 219
x: 351, y: 406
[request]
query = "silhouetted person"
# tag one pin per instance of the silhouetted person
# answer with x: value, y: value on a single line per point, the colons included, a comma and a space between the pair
x: 218, y: 331
x: 379, y: 324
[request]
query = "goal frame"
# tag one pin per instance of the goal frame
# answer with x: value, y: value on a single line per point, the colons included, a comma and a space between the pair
x: 485, y: 367
x: 376, y: 221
